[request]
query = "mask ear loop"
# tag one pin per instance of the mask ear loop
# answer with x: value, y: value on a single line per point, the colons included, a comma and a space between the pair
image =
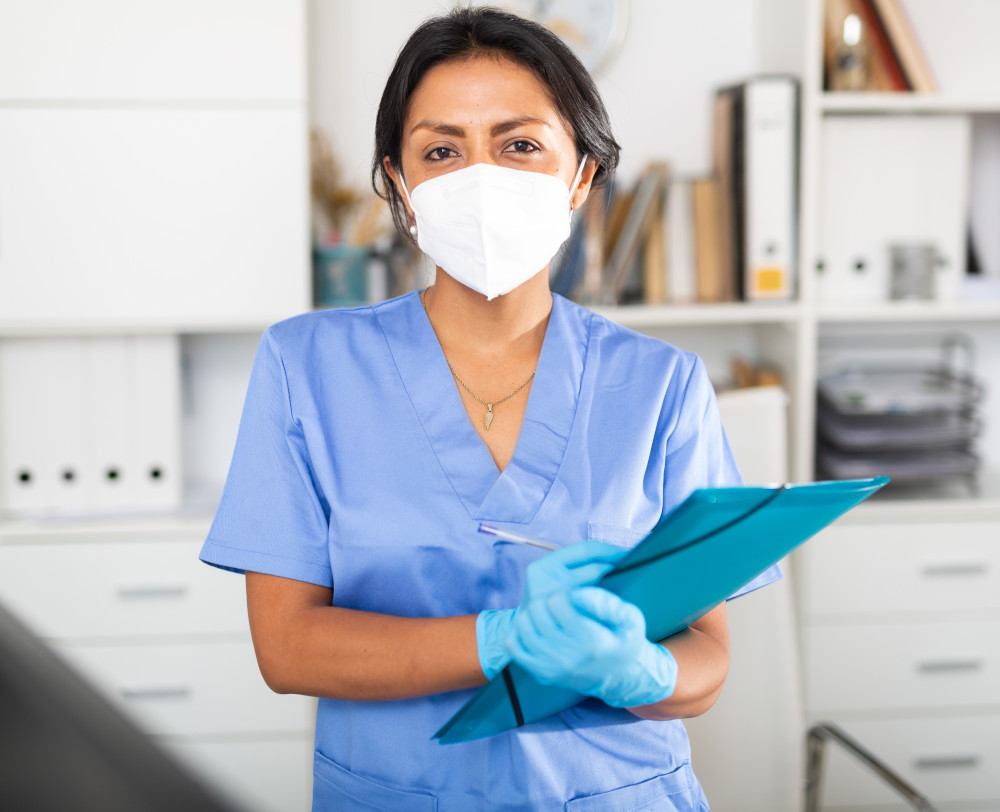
x: 576, y: 181
x: 406, y: 194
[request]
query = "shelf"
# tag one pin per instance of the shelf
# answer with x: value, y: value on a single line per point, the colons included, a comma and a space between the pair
x: 133, y: 527
x: 953, y: 500
x: 122, y: 327
x: 903, y: 103
x: 910, y: 312
x: 733, y: 313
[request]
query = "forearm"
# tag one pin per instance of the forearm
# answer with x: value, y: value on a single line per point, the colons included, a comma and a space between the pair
x: 702, y: 655
x: 306, y: 646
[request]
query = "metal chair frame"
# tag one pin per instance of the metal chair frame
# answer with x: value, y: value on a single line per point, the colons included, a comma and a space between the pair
x: 816, y: 741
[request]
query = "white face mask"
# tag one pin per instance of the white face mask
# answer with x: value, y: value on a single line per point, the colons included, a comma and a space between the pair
x: 490, y: 227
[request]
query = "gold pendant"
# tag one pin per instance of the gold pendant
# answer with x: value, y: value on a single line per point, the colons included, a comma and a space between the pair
x: 489, y: 416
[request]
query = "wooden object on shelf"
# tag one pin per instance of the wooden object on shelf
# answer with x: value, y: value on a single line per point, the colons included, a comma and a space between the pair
x: 654, y: 257
x: 724, y: 135
x: 906, y: 46
x: 631, y: 228
x: 712, y: 274
x: 881, y: 69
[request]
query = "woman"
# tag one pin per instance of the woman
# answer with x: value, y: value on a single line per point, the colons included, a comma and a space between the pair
x: 375, y: 440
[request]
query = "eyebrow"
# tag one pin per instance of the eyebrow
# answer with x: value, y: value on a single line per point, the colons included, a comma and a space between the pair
x: 496, y: 129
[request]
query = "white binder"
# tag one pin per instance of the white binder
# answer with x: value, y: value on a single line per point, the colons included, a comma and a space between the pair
x: 44, y: 448
x: 155, y: 402
x: 682, y: 285
x: 769, y: 181
x: 106, y: 397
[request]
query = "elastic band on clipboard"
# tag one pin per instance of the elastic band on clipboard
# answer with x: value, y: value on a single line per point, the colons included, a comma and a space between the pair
x: 515, y: 703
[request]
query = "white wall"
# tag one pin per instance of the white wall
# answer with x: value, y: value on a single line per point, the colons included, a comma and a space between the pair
x: 658, y: 90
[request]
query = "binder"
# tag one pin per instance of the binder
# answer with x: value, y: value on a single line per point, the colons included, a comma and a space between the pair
x: 43, y: 449
x: 155, y: 409
x: 682, y: 286
x: 770, y: 111
x: 756, y: 157
x: 713, y: 543
x: 106, y: 396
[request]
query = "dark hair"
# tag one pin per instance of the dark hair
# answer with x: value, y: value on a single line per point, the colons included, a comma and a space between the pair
x: 467, y: 32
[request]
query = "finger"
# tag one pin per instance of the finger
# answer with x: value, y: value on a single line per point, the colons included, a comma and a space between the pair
x: 592, y: 640
x: 608, y: 609
x: 574, y: 565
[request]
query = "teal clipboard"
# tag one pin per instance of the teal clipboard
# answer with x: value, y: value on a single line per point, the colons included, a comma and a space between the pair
x: 713, y: 543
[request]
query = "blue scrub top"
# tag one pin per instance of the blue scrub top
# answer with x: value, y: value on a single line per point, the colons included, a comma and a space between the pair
x: 356, y: 467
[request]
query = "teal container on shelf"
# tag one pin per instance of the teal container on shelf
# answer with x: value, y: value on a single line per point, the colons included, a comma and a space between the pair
x: 340, y: 275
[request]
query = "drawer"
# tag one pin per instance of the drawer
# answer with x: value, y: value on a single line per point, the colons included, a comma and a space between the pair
x: 273, y: 775
x: 114, y: 589
x: 894, y: 568
x: 951, y: 759
x: 901, y: 665
x: 190, y: 689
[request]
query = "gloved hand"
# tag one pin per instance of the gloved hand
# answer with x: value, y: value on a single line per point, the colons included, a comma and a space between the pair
x: 591, y: 641
x: 571, y: 566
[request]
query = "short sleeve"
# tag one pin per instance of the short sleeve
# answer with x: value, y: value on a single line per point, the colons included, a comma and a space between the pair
x: 698, y: 453
x: 699, y: 456
x: 272, y: 517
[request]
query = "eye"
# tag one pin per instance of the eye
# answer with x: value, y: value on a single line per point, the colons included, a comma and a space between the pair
x: 522, y: 146
x: 439, y: 154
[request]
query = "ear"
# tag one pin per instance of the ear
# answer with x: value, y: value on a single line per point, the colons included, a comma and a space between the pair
x: 586, y: 179
x: 391, y: 171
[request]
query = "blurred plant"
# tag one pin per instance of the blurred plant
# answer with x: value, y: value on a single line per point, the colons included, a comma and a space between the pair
x: 335, y: 201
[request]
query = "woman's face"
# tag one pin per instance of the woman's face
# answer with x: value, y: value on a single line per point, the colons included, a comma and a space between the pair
x: 486, y: 109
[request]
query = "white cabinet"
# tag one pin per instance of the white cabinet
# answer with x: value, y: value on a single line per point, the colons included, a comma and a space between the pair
x: 114, y: 50
x: 132, y: 215
x: 153, y: 196
x: 900, y: 639
x: 166, y: 640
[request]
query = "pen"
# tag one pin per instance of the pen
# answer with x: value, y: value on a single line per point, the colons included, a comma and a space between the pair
x: 517, y: 538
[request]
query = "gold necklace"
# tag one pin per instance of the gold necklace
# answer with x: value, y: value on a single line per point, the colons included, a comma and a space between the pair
x: 488, y: 417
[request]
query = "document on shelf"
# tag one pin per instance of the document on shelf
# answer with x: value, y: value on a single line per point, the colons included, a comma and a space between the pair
x: 713, y: 543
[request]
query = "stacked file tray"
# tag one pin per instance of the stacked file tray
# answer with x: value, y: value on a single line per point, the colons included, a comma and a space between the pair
x: 913, y: 422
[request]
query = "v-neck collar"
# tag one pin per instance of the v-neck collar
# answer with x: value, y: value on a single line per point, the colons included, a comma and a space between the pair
x: 516, y: 493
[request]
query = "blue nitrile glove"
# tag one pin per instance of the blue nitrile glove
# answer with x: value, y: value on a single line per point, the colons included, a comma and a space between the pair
x: 571, y: 566
x: 591, y: 641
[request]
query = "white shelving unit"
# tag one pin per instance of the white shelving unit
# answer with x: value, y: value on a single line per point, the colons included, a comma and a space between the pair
x: 897, y: 603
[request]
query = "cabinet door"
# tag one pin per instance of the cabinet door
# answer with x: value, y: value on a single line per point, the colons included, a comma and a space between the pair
x: 268, y: 775
x: 948, y: 759
x: 135, y: 214
x: 184, y: 49
x: 893, y: 569
x: 105, y: 590
x: 902, y: 665
x: 190, y: 689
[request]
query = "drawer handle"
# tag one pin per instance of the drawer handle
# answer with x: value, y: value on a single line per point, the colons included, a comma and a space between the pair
x: 938, y: 666
x: 146, y: 591
x: 946, y: 763
x: 956, y: 570
x: 157, y: 692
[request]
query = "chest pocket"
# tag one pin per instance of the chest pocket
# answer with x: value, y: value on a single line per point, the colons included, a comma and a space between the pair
x: 677, y: 791
x: 616, y: 534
